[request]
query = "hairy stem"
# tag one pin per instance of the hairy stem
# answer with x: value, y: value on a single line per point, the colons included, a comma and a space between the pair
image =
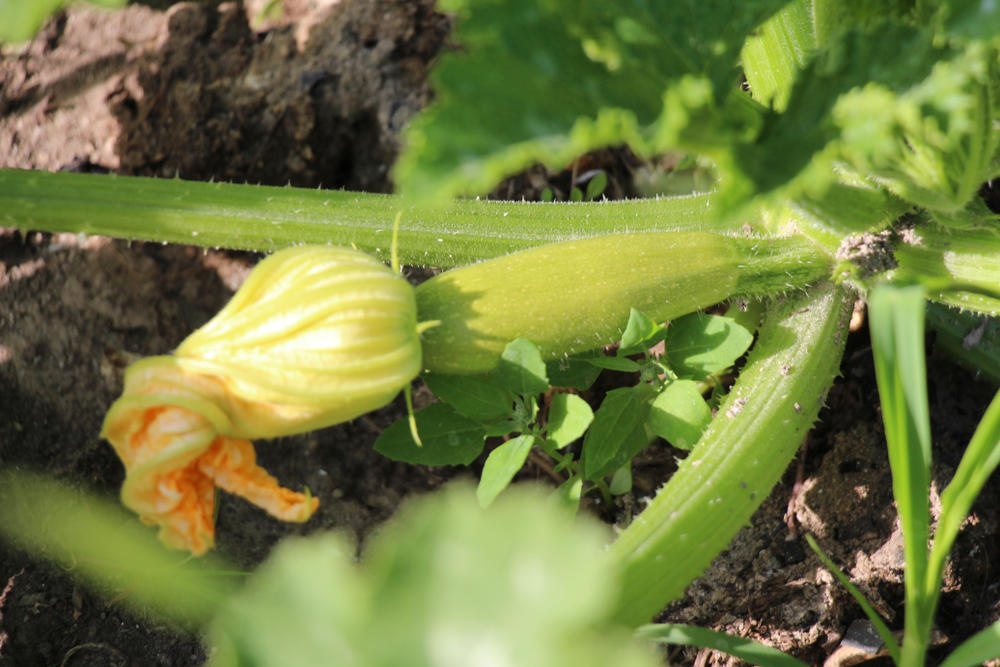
x: 269, y: 218
x: 961, y: 264
x: 740, y: 457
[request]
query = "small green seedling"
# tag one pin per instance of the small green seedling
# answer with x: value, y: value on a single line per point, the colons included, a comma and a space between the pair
x: 508, y: 402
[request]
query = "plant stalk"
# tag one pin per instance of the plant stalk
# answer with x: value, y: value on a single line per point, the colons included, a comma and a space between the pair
x: 266, y: 218
x: 961, y: 264
x: 741, y: 456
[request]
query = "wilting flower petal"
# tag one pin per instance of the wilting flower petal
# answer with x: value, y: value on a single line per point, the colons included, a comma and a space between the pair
x: 316, y: 336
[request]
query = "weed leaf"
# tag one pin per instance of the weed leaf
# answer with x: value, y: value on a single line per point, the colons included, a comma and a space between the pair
x: 569, y: 417
x: 572, y: 373
x: 641, y: 333
x: 448, y: 438
x: 471, y: 396
x: 617, y: 432
x: 679, y: 414
x: 521, y: 369
x: 699, y: 345
x: 501, y: 466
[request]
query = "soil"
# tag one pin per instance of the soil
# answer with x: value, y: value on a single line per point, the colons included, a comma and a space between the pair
x: 317, y: 98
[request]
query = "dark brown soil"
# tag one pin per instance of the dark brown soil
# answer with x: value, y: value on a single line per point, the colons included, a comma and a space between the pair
x: 318, y: 99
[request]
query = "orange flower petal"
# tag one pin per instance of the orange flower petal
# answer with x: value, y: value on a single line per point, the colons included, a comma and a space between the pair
x: 232, y: 465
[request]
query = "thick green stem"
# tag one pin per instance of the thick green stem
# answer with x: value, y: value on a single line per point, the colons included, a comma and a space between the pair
x: 744, y: 452
x: 269, y: 218
x: 961, y: 267
x: 971, y: 340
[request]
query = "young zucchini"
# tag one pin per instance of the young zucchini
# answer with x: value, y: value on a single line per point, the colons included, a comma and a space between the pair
x: 575, y: 296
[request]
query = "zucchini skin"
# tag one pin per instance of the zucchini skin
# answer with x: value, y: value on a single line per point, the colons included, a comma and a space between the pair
x: 575, y: 296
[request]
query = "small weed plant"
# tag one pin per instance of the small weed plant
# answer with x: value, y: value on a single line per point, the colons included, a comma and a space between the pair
x: 847, y: 144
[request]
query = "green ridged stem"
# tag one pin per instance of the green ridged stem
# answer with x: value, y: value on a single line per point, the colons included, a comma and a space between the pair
x: 268, y: 218
x: 741, y: 456
x: 971, y: 340
x: 573, y: 297
x: 950, y: 262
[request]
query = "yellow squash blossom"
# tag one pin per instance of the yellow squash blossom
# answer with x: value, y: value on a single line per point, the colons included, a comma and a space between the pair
x: 316, y: 336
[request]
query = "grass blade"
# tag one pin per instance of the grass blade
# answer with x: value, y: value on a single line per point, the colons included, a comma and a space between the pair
x: 897, y: 333
x: 876, y: 620
x: 978, y: 462
x: 745, y: 649
x: 977, y: 649
x: 108, y: 549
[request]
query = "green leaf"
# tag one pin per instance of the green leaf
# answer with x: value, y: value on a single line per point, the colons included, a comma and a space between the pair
x: 611, y: 63
x: 21, y: 19
x: 442, y: 583
x: 109, y: 549
x: 641, y: 333
x: 614, y: 364
x: 921, y: 126
x: 932, y: 144
x: 752, y: 652
x: 862, y: 61
x: 521, y: 369
x: 617, y: 432
x: 569, y: 417
x: 572, y: 373
x: 596, y: 185
x: 473, y: 397
x: 516, y: 584
x: 569, y: 493
x: 304, y: 606
x: 501, y: 466
x: 977, y: 649
x: 776, y: 52
x: 621, y: 481
x: 699, y: 345
x: 679, y: 414
x: 448, y: 438
x: 970, y: 20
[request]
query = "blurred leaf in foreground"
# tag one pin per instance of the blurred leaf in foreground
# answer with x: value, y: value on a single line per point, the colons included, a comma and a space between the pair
x: 445, y: 583
x: 97, y: 540
x: 21, y: 19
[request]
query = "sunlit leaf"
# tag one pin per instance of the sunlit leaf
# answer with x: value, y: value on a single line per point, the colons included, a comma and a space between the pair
x: 501, y: 465
x: 521, y: 369
x: 569, y: 417
x: 679, y: 414
x: 698, y: 344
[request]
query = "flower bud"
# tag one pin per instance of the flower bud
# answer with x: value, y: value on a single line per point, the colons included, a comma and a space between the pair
x: 316, y: 336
